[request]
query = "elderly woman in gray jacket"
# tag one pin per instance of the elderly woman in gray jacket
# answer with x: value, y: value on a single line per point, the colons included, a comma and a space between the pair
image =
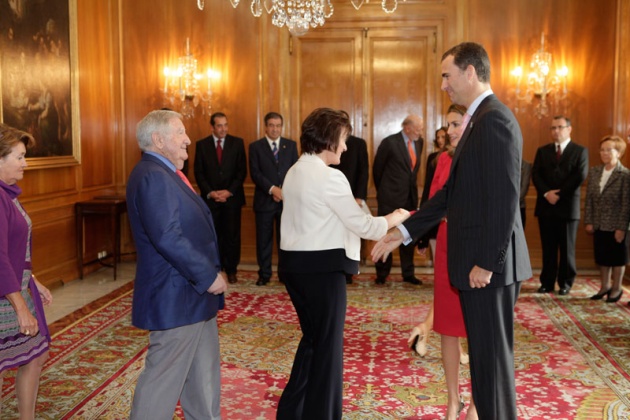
x: 607, y: 217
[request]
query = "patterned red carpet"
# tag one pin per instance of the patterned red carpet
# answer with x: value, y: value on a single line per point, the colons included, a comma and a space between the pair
x: 572, y: 356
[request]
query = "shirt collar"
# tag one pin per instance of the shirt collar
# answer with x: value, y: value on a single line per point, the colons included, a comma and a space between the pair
x: 277, y: 141
x: 163, y: 159
x: 563, y: 145
x: 475, y: 104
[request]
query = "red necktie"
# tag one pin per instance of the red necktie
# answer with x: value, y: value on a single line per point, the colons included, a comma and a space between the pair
x: 412, y: 153
x: 186, y: 181
x: 558, y: 152
x: 219, y: 151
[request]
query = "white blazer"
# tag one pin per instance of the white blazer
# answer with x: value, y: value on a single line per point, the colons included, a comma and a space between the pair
x: 320, y: 213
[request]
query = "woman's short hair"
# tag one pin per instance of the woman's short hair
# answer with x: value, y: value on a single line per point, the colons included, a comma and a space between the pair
x: 618, y: 143
x: 154, y: 121
x: 9, y: 137
x: 322, y: 129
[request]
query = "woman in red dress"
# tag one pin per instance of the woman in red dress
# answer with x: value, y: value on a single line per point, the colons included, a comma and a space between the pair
x: 447, y: 316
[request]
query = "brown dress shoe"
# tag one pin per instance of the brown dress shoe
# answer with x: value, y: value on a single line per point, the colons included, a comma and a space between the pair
x: 232, y: 278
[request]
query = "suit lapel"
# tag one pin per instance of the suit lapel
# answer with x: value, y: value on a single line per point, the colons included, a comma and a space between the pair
x: 402, y: 146
x: 467, y: 130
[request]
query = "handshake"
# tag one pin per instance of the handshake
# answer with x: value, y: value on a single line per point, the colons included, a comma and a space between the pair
x: 394, y: 237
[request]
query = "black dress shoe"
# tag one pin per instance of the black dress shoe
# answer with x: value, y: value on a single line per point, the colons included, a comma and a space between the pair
x: 613, y: 299
x: 543, y: 289
x: 232, y: 278
x: 412, y: 280
x: 564, y: 290
x: 601, y: 295
x: 379, y: 280
x: 262, y: 282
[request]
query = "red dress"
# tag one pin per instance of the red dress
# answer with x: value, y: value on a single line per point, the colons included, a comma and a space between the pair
x: 448, y: 318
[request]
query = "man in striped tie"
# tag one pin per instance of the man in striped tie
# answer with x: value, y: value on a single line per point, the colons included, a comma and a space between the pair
x: 269, y: 160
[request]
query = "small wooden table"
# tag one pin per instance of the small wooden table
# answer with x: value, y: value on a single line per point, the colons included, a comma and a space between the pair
x: 114, y: 206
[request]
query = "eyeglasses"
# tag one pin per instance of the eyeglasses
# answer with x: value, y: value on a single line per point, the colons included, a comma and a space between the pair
x: 557, y: 127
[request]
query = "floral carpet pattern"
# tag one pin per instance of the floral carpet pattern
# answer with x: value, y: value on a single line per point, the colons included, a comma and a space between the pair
x: 572, y: 356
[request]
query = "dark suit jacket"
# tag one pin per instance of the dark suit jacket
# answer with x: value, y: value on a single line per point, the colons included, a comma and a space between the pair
x: 355, y: 166
x: 177, y: 250
x: 481, y: 201
x: 265, y: 172
x: 396, y: 184
x: 230, y: 175
x: 566, y: 175
x: 526, y: 177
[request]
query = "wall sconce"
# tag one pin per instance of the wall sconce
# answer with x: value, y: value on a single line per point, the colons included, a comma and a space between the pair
x: 184, y: 88
x: 540, y: 86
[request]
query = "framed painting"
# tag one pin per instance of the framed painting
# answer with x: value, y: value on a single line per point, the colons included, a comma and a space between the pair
x: 39, y: 79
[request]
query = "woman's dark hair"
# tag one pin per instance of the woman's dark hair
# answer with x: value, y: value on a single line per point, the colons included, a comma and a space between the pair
x: 10, y: 136
x: 436, y: 145
x: 322, y: 129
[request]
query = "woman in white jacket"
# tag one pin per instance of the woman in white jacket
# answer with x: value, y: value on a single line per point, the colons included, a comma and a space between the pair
x: 320, y: 242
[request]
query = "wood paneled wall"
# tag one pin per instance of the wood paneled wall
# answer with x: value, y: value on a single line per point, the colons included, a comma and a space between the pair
x: 124, y: 45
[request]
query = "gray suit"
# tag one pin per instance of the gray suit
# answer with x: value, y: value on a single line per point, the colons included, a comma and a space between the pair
x: 481, y: 203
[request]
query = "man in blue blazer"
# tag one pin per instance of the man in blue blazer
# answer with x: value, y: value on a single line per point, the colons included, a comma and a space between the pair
x: 179, y: 286
x: 487, y: 253
x: 269, y: 160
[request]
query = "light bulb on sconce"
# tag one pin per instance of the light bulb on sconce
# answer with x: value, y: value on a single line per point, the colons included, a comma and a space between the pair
x: 541, y: 89
x: 184, y: 88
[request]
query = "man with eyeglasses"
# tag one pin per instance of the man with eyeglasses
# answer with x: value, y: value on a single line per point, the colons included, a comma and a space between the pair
x: 559, y: 170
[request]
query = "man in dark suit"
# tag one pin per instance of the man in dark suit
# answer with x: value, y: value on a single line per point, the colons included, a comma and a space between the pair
x: 220, y: 170
x: 269, y: 160
x: 395, y: 172
x: 559, y: 170
x: 487, y: 252
x: 179, y: 286
x: 356, y: 167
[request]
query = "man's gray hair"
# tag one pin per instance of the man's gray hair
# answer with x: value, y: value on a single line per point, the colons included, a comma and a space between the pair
x: 154, y: 121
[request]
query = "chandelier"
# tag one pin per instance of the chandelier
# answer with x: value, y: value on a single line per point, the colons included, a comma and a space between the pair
x: 301, y: 15
x: 184, y: 88
x: 540, y: 86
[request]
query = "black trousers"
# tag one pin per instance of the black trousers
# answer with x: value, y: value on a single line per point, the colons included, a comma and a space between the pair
x: 489, y: 318
x: 406, y: 254
x: 558, y: 234
x: 315, y: 387
x: 265, y: 221
x: 227, y: 223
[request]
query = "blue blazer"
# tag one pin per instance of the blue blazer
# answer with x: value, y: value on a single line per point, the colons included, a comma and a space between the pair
x: 177, y: 250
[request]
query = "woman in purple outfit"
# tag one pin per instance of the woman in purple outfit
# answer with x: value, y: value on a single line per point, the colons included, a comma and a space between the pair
x: 24, y: 336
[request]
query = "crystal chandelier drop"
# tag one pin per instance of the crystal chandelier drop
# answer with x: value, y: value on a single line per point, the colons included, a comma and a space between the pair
x: 540, y: 86
x: 185, y: 89
x: 301, y: 15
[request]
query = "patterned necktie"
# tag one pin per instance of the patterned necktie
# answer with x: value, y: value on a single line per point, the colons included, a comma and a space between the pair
x: 558, y: 152
x: 219, y: 150
x: 412, y: 153
x: 186, y: 181
x: 274, y: 149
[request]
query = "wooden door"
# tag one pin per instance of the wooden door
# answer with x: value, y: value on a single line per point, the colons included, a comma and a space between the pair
x: 378, y: 75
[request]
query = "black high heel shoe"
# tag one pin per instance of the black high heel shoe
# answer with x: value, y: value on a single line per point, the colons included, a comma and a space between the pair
x: 612, y: 299
x: 601, y: 295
